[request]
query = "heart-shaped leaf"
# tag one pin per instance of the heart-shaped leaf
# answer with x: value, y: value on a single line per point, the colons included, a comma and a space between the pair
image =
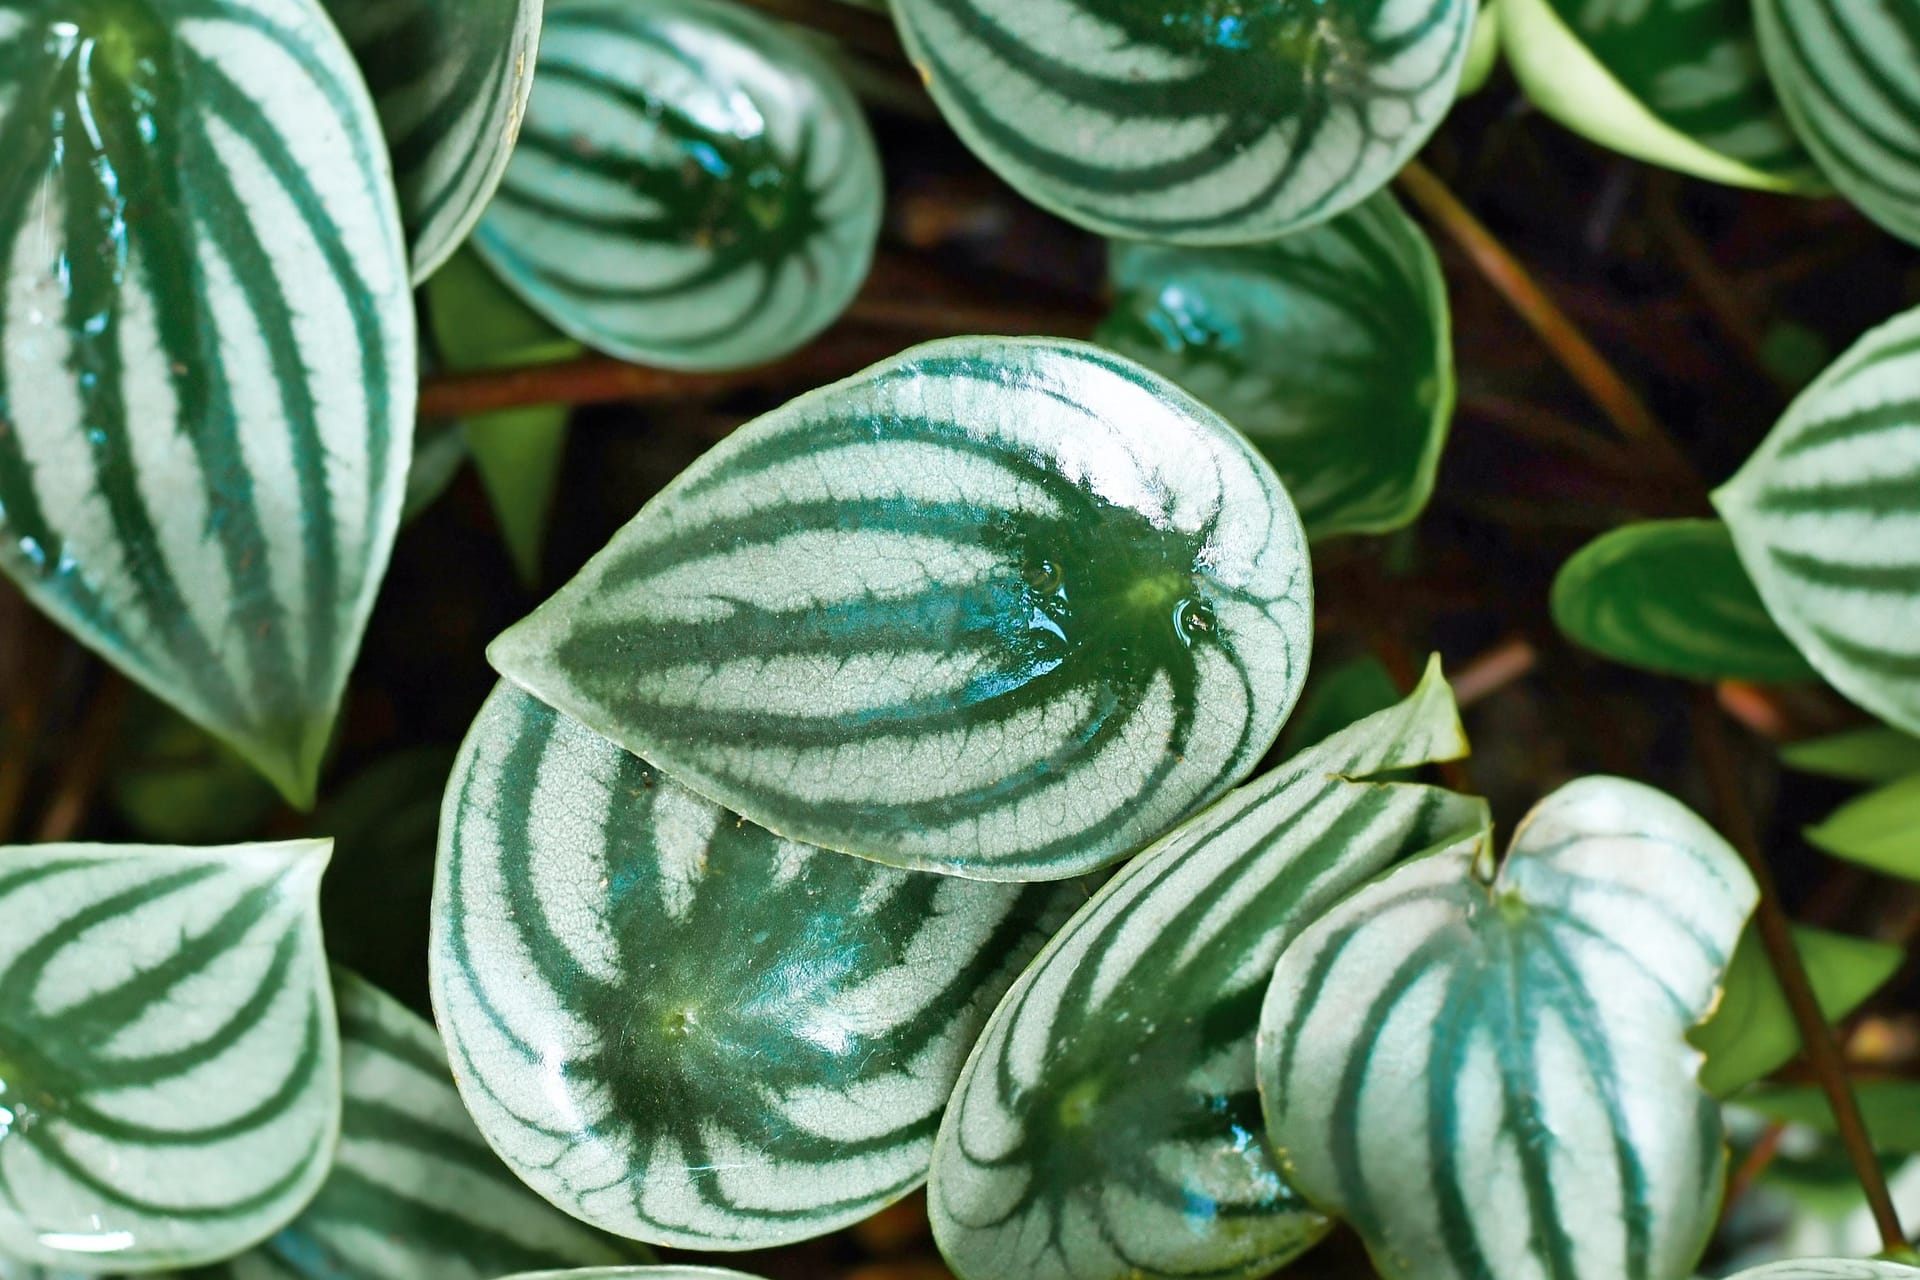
x: 1671, y: 596
x: 1330, y: 349
x: 680, y: 1027
x: 169, y: 1060
x: 1488, y: 1075
x: 450, y: 79
x: 1826, y: 517
x: 206, y: 353
x: 1005, y: 607
x: 1107, y: 1125
x: 414, y: 1192
x: 1189, y: 123
x: 694, y: 188
x: 1677, y: 83
x: 1849, y: 75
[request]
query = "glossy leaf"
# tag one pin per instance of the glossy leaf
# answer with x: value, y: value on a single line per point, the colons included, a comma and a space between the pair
x: 1849, y: 75
x: 680, y: 1027
x: 1107, y: 1126
x: 1872, y: 754
x: 694, y: 188
x: 1487, y: 1073
x: 1831, y: 1269
x: 1186, y: 123
x: 1677, y: 83
x: 450, y: 79
x: 206, y: 353
x: 1826, y: 516
x: 1891, y: 1109
x: 1330, y: 349
x: 1671, y: 596
x: 1752, y: 1031
x: 1880, y: 830
x: 169, y: 1061
x: 1004, y: 607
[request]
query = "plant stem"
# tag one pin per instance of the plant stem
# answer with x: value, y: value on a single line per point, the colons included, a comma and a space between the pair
x: 1622, y: 405
x: 1776, y: 934
x: 1482, y: 677
x: 1757, y: 1162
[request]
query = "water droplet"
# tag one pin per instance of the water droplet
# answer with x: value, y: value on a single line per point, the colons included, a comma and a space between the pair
x: 36, y: 555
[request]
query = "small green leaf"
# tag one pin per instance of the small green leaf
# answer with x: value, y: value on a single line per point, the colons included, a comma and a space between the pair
x: 206, y: 354
x: 1831, y: 1269
x: 1191, y: 123
x: 1880, y: 829
x: 1487, y: 1074
x: 681, y: 1028
x: 1483, y: 53
x: 1752, y: 1032
x: 1671, y: 596
x: 1009, y: 608
x: 1872, y: 754
x: 479, y: 323
x: 450, y: 79
x: 694, y: 187
x: 1119, y: 1070
x: 1330, y: 349
x: 1891, y: 1109
x: 1826, y: 516
x: 169, y: 1059
x: 1849, y: 74
x: 1336, y: 697
x: 1677, y: 83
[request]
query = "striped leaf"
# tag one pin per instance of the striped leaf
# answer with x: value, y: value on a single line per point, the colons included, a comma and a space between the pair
x: 206, y: 353
x: 1671, y: 596
x: 1677, y: 83
x: 1831, y: 1269
x: 1487, y: 1074
x: 450, y: 79
x: 1107, y: 1125
x: 682, y: 1028
x: 1826, y: 517
x: 1191, y: 123
x: 169, y: 1061
x: 414, y: 1193
x: 1005, y: 607
x: 1849, y: 75
x: 695, y: 187
x: 1330, y: 349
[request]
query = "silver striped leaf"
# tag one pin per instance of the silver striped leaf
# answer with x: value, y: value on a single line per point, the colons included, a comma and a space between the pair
x: 1188, y: 123
x: 1826, y: 517
x: 169, y: 1059
x: 1330, y: 349
x: 1008, y: 608
x: 414, y: 1192
x: 676, y: 1025
x: 206, y: 353
x: 1487, y: 1074
x: 450, y: 79
x: 1831, y: 1269
x: 1849, y: 74
x: 1107, y: 1125
x: 1678, y: 83
x: 694, y: 187
x: 1671, y: 596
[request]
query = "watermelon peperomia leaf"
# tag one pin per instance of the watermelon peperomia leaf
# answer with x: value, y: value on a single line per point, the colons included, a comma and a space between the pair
x: 1487, y: 1073
x: 169, y: 1059
x: 1849, y: 75
x: 206, y: 353
x: 1187, y: 122
x: 1330, y: 349
x: 1671, y: 596
x: 1826, y: 517
x: 1009, y: 608
x: 450, y: 79
x: 1107, y: 1126
x: 1677, y: 83
x: 680, y: 1027
x: 694, y: 186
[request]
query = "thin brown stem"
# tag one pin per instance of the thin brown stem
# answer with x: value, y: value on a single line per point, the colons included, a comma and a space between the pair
x: 86, y: 763
x: 1482, y: 677
x: 1821, y: 1048
x: 1581, y: 359
x: 1757, y: 1162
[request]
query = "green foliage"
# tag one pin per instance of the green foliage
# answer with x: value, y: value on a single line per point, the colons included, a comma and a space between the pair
x: 1891, y: 1109
x: 1874, y: 754
x: 1880, y: 829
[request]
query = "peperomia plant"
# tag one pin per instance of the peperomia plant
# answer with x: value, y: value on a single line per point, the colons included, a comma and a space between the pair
x: 905, y: 785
